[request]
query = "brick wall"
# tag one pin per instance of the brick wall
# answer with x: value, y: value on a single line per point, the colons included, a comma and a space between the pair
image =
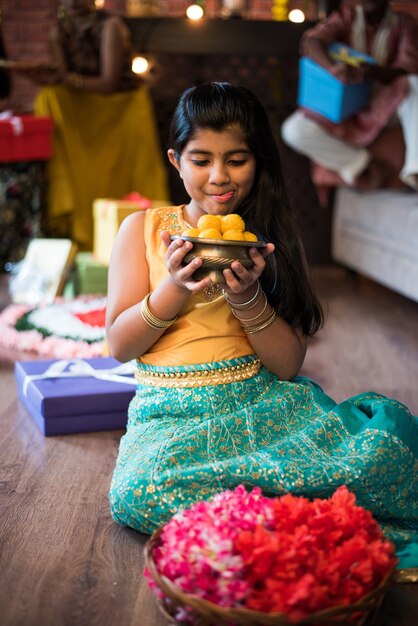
x: 26, y: 24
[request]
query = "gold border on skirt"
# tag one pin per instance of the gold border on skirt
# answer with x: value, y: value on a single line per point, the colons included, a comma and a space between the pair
x: 199, y: 378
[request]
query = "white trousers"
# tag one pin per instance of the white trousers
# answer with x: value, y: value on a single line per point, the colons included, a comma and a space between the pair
x: 309, y: 138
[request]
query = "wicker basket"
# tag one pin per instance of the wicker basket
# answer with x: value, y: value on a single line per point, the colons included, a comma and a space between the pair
x: 208, y: 614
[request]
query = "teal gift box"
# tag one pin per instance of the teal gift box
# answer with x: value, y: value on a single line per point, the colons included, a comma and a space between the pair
x: 322, y: 93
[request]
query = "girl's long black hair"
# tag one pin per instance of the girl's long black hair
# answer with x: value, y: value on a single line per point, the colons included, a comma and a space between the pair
x: 266, y: 211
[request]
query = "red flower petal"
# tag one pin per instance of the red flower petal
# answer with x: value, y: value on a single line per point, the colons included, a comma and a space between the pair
x: 96, y: 317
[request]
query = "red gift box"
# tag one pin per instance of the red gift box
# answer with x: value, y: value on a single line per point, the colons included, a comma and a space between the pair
x: 25, y: 138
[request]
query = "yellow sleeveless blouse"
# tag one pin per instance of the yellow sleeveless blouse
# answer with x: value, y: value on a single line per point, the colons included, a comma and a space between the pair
x: 205, y: 331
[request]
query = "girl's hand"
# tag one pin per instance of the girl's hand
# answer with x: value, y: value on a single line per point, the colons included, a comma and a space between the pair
x: 182, y: 274
x: 239, y: 279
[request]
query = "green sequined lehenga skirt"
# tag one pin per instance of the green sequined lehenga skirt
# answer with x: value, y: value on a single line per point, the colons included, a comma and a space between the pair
x: 185, y: 444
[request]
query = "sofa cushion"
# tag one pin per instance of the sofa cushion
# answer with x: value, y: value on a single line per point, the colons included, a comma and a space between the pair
x: 376, y: 233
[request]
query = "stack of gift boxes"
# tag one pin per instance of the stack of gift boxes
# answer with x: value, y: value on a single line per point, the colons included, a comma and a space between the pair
x: 84, y: 395
x: 75, y: 395
x: 72, y: 395
x: 90, y: 270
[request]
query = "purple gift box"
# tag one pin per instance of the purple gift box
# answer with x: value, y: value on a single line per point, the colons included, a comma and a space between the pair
x: 79, y: 395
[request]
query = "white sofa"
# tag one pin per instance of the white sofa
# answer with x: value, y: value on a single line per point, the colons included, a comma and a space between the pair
x: 376, y: 234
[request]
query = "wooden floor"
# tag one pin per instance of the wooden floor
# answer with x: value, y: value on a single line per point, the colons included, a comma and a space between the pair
x: 63, y: 561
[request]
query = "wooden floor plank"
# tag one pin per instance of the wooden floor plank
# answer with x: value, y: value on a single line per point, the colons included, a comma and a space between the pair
x: 63, y: 561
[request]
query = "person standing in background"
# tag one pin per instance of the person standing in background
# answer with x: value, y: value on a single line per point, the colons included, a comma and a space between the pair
x: 105, y: 141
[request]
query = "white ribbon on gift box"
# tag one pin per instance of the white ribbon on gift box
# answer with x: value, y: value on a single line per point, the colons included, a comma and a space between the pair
x: 78, y: 368
x: 15, y: 121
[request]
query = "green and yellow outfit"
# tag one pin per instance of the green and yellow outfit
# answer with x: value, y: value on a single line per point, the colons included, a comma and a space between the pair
x: 207, y: 417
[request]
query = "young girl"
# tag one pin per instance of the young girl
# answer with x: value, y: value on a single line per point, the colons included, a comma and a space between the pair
x: 219, y: 402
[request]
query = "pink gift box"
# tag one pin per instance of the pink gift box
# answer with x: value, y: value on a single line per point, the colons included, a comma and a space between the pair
x: 75, y: 401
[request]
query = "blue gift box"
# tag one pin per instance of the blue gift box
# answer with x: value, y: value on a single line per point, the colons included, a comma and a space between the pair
x: 322, y: 93
x: 77, y: 395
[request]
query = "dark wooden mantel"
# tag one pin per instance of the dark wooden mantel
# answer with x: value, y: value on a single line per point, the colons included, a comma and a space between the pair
x: 216, y: 36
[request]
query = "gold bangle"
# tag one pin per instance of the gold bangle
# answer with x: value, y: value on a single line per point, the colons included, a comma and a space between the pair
x: 245, y: 305
x: 255, y: 329
x: 252, y: 319
x: 75, y: 80
x: 149, y: 318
